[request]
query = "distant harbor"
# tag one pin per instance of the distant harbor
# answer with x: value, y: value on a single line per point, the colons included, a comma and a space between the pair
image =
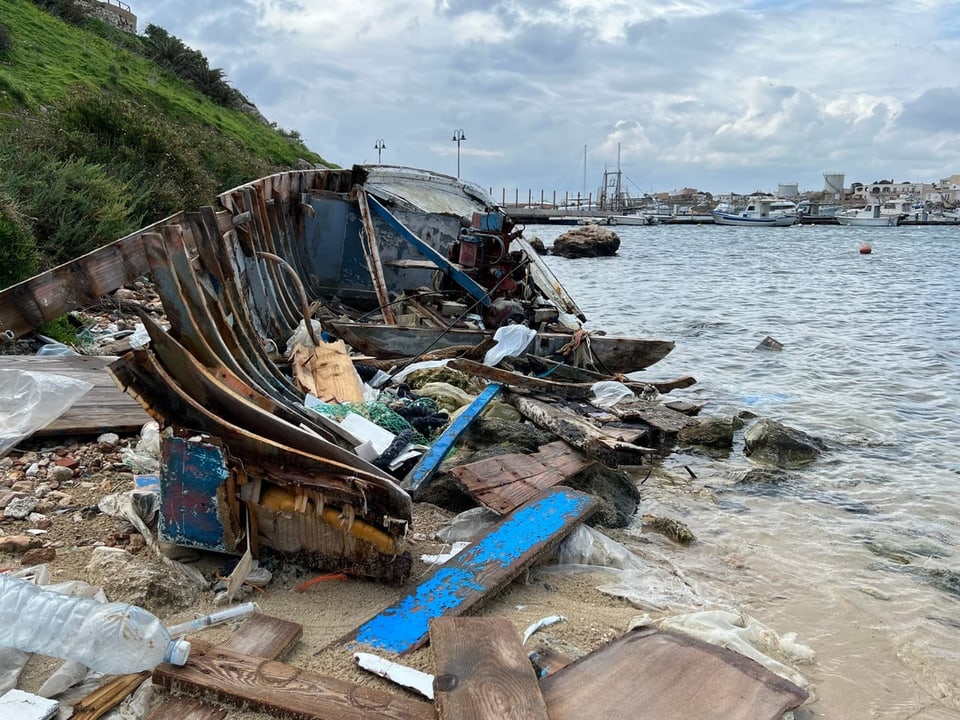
x: 578, y: 216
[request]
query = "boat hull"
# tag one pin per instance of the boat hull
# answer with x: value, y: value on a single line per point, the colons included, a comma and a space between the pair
x: 867, y: 221
x: 732, y: 219
x: 610, y: 354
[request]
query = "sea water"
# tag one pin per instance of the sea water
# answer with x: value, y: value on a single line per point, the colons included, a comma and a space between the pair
x: 858, y: 552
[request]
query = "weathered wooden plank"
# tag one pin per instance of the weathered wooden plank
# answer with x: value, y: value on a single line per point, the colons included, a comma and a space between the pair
x: 479, y: 571
x: 571, y: 391
x: 506, y: 482
x: 186, y: 708
x: 81, y: 281
x: 371, y: 251
x: 264, y: 636
x: 429, y: 462
x: 482, y: 671
x: 106, y: 408
x: 655, y: 414
x: 578, y: 431
x: 285, y: 691
x: 660, y: 675
x: 259, y: 635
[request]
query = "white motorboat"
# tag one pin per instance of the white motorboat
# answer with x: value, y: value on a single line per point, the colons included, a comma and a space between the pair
x: 869, y: 216
x: 757, y: 213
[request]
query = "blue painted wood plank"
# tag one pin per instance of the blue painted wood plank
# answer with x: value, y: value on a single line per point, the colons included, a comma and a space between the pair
x: 429, y: 462
x: 479, y: 570
x: 462, y: 279
x: 191, y: 514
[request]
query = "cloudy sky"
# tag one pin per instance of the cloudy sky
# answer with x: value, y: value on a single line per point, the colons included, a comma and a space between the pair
x: 720, y: 95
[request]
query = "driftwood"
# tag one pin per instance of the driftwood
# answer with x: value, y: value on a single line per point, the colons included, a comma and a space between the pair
x: 470, y: 352
x: 570, y: 391
x: 580, y: 433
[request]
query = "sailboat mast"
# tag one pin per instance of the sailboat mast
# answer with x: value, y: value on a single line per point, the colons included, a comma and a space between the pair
x: 584, y: 171
x: 619, y: 196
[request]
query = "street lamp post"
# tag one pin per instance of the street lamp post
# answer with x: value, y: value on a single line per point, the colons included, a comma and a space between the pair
x: 458, y: 136
x: 379, y: 146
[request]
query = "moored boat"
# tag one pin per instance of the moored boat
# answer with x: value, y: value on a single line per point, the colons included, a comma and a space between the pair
x: 869, y: 216
x: 757, y: 213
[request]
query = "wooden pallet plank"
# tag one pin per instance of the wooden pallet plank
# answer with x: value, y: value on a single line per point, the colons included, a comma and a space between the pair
x: 652, y: 674
x: 260, y: 635
x: 285, y: 691
x: 186, y: 708
x: 482, y: 671
x: 506, y: 482
x: 264, y: 636
x: 479, y: 571
x: 106, y: 408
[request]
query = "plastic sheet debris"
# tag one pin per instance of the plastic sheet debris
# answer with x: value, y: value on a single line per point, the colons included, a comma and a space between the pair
x: 19, y: 704
x: 468, y: 525
x: 608, y: 393
x: 649, y: 583
x: 441, y: 558
x: 31, y: 400
x: 140, y: 337
x: 144, y: 458
x: 512, y: 340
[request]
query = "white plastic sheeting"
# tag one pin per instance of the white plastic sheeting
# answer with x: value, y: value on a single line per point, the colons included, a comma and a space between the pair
x: 31, y: 400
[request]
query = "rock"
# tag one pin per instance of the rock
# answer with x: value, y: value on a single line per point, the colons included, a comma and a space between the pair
x: 38, y: 556
x: 587, y: 241
x: 67, y: 461
x: 484, y: 431
x: 138, y: 579
x: 446, y: 491
x: 714, y: 432
x: 19, y: 508
x: 42, y: 490
x: 537, y: 244
x: 59, y: 474
x: 108, y: 442
x: 19, y: 544
x: 618, y: 493
x: 777, y: 444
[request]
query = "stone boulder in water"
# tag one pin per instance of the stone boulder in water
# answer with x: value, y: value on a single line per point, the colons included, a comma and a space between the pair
x: 587, y: 241
x: 775, y: 443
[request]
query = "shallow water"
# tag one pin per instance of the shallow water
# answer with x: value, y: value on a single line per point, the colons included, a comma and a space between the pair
x: 858, y: 553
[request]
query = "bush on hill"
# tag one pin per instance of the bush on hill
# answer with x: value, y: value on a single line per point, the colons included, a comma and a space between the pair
x: 6, y: 41
x: 18, y: 250
x: 96, y: 168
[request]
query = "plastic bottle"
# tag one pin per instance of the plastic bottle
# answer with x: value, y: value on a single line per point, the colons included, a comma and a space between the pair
x: 111, y: 638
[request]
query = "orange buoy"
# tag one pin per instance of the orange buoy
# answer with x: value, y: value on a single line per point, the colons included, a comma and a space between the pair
x: 865, y: 249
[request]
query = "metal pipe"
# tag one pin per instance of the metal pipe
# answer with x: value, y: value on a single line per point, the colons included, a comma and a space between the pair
x: 305, y: 304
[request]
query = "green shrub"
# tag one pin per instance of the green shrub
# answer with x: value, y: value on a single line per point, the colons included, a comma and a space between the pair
x: 6, y: 42
x: 75, y: 206
x: 19, y: 258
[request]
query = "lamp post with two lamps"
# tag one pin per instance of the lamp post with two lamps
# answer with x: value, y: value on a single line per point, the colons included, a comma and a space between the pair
x: 458, y: 137
x: 379, y: 146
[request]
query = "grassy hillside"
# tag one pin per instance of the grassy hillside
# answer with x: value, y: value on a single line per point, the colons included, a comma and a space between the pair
x: 97, y: 140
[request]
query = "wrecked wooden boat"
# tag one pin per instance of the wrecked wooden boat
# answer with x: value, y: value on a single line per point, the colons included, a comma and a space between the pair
x: 373, y: 254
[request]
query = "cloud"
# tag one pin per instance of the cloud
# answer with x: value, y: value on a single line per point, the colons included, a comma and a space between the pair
x: 721, y: 96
